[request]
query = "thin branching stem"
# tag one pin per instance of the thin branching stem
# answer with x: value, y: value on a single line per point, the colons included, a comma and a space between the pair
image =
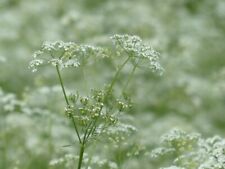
x: 82, y: 145
x: 92, y: 129
x: 130, y: 77
x: 67, y: 101
x: 117, y: 74
x: 86, y: 132
x: 76, y: 129
x: 62, y: 85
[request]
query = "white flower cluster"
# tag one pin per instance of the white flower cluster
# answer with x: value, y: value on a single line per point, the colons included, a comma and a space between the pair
x: 192, y: 151
x: 35, y: 63
x: 215, y: 151
x: 178, y: 138
x: 161, y: 151
x: 138, y: 51
x: 118, y: 132
x: 64, y: 54
x: 176, y: 141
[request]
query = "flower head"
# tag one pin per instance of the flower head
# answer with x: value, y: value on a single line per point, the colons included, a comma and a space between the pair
x: 64, y: 54
x: 139, y: 53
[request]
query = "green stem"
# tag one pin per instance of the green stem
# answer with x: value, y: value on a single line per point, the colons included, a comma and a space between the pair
x: 117, y: 74
x: 91, y: 130
x: 76, y: 129
x: 85, y: 139
x: 62, y: 85
x: 67, y: 101
x: 130, y: 77
x: 81, y: 155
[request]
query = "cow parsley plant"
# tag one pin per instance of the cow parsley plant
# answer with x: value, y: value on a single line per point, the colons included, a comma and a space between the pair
x: 97, y: 113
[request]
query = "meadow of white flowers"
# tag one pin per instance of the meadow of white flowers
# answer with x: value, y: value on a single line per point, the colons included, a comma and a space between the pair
x: 112, y: 84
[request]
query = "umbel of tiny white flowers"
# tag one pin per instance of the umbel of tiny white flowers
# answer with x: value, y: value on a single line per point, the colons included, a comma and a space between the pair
x: 70, y: 54
x: 139, y: 53
x: 64, y: 54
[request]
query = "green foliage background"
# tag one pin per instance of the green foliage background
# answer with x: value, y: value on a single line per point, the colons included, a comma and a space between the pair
x: 189, y: 34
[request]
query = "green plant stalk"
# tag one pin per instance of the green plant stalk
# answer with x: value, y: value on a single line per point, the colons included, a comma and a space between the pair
x: 129, y: 78
x: 73, y: 120
x: 67, y: 101
x: 62, y: 85
x: 86, y: 136
x: 117, y: 74
x: 91, y: 131
x: 82, y: 148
